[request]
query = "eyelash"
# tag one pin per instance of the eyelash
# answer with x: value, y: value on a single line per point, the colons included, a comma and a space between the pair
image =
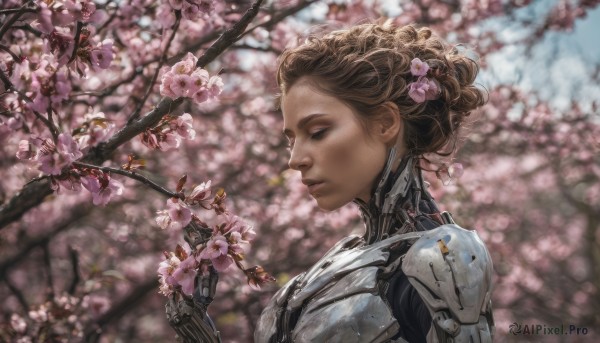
x: 315, y: 136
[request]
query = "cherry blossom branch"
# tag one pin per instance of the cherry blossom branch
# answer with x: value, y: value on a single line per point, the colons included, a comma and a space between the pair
x: 20, y: 11
x: 282, y: 15
x: 74, y: 257
x: 162, y: 61
x: 229, y: 36
x: 76, y: 215
x: 17, y: 293
x: 93, y: 332
x: 132, y: 175
x: 28, y: 28
x: 32, y: 195
x: 48, y: 268
x: 76, y: 44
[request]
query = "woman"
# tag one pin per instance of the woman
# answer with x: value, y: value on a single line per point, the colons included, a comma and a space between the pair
x: 361, y: 107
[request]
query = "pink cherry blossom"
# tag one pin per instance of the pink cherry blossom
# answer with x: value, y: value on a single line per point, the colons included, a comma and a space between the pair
x: 165, y: 271
x: 215, y: 247
x: 183, y: 125
x: 215, y: 86
x: 200, y: 78
x: 25, y: 151
x: 190, y: 11
x: 181, y: 84
x: 163, y: 219
x: 45, y: 19
x: 200, y: 194
x: 17, y: 323
x: 68, y: 148
x: 176, y: 4
x: 169, y: 141
x: 201, y: 95
x: 165, y: 85
x: 179, y: 213
x: 418, y: 67
x: 165, y: 16
x: 423, y: 89
x: 222, y: 262
x: 102, y: 55
x: 103, y: 196
x: 185, y: 274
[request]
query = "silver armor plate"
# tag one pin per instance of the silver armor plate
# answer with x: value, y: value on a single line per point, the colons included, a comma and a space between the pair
x: 452, y: 271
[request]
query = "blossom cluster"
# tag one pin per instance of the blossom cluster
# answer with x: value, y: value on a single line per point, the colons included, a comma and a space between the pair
x: 169, y: 132
x: 422, y: 89
x: 64, y: 315
x: 190, y: 10
x: 56, y: 160
x: 184, y: 79
x: 228, y: 242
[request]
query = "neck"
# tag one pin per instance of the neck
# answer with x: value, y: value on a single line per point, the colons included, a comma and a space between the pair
x: 399, y: 202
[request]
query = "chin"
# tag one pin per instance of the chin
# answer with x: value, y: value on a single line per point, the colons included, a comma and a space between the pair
x: 329, y: 205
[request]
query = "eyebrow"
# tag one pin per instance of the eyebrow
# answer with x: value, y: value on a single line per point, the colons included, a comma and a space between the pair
x: 303, y: 122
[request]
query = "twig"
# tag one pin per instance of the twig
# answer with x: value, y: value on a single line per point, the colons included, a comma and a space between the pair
x: 27, y: 27
x: 77, y: 37
x: 20, y: 11
x: 48, y: 267
x: 74, y: 256
x: 120, y: 309
x: 229, y: 36
x: 281, y: 15
x: 15, y: 10
x: 11, y: 262
x: 15, y: 57
x: 32, y: 195
x: 18, y: 294
x: 163, y: 58
x: 132, y: 175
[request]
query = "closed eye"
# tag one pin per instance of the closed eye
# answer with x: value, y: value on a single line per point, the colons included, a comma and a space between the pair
x: 319, y: 134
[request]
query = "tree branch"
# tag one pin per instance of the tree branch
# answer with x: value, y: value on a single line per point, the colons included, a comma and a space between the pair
x: 20, y: 11
x: 93, y: 332
x: 32, y: 194
x: 76, y: 44
x: 229, y: 37
x: 7, y: 264
x: 74, y: 257
x: 132, y: 175
x: 12, y: 54
x: 48, y: 268
x: 18, y: 294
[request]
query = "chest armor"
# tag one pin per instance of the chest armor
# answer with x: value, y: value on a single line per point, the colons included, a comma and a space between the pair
x: 339, y: 299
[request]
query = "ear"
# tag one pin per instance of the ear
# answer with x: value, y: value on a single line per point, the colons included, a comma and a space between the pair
x: 389, y: 126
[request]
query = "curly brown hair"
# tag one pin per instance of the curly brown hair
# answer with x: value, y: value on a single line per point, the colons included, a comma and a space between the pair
x: 368, y: 66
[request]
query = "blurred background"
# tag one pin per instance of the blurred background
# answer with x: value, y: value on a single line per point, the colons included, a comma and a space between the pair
x: 530, y: 185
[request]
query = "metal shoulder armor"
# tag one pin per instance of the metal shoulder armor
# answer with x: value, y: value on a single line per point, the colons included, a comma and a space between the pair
x: 451, y: 270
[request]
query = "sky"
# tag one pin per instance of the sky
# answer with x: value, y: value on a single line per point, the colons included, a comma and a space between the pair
x: 559, y: 67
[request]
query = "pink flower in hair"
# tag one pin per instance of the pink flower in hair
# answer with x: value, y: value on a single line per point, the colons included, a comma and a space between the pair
x: 418, y: 67
x: 423, y: 89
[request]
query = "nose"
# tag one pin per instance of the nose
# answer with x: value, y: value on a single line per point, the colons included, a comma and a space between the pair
x: 299, y: 159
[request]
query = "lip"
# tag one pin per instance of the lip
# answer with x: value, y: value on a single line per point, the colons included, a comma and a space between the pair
x: 312, y: 188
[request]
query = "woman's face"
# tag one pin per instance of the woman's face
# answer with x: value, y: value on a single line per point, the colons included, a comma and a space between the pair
x: 338, y: 159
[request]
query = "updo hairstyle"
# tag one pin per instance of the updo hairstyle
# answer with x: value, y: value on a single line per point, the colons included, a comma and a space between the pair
x: 369, y: 65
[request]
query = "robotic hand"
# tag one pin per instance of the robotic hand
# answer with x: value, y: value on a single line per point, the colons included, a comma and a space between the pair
x: 187, y: 315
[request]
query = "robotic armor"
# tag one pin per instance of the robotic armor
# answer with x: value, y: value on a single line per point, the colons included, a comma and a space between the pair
x: 342, y: 297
